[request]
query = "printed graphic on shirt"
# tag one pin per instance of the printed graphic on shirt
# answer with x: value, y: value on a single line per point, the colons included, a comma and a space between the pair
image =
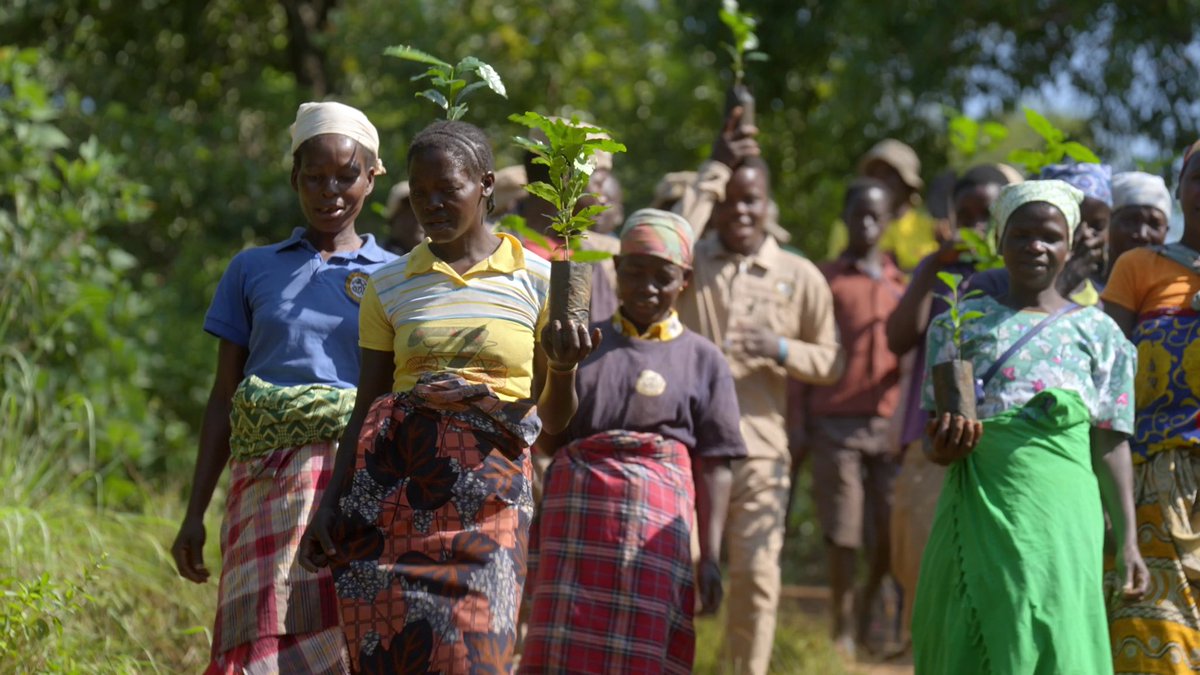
x: 356, y: 285
x: 458, y: 349
x: 650, y: 383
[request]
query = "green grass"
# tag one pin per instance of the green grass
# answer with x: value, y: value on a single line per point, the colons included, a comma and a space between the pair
x: 96, y: 592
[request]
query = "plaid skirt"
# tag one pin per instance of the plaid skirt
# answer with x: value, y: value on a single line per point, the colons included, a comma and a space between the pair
x: 433, y: 532
x: 614, y: 591
x: 264, y: 593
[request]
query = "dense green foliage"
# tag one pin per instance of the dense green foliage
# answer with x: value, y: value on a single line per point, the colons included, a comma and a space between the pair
x: 143, y: 144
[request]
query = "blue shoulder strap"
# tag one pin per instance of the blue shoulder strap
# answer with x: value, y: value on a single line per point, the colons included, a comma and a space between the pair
x: 1021, y: 342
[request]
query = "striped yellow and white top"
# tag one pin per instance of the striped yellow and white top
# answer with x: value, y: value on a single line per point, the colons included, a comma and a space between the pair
x: 480, y: 325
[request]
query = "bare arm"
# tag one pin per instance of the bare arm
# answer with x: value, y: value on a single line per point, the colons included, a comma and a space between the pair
x: 732, y: 145
x: 1125, y: 318
x: 713, y: 481
x: 555, y: 359
x: 1114, y: 471
x: 907, y: 322
x: 211, y: 458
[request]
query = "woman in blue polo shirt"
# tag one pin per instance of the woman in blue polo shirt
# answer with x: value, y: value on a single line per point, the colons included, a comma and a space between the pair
x: 287, y: 366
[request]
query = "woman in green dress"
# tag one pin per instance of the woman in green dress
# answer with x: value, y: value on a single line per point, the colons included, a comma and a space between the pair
x: 1011, y: 581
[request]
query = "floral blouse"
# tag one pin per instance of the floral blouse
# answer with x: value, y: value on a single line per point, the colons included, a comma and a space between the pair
x: 1083, y: 352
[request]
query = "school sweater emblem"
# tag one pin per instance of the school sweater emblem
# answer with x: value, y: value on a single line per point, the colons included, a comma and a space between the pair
x: 650, y: 383
x: 356, y: 285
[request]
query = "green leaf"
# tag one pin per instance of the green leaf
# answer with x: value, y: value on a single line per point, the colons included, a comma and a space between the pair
x: 972, y: 315
x: 544, y: 191
x: 1080, y: 152
x: 976, y: 293
x: 413, y: 54
x: 436, y: 96
x: 1032, y: 160
x: 492, y: 79
x: 536, y: 147
x: 1042, y: 126
x: 951, y: 280
x: 516, y: 224
x: 590, y: 256
x: 995, y: 131
x: 456, y: 112
x: 756, y: 56
x: 592, y: 211
x: 606, y: 144
x: 469, y: 64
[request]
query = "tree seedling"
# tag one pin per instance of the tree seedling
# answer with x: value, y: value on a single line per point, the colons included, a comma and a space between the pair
x: 568, y: 152
x: 1057, y: 147
x: 450, y: 88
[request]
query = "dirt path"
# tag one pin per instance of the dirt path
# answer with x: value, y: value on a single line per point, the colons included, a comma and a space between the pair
x: 814, y: 601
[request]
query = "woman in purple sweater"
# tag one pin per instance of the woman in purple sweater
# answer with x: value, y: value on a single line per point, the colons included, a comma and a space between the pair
x: 614, y: 590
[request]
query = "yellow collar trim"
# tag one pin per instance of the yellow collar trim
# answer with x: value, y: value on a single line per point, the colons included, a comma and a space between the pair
x: 663, y: 331
x: 506, y: 259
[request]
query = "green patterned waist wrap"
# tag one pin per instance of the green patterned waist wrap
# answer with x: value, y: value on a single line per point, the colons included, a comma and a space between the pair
x: 267, y: 417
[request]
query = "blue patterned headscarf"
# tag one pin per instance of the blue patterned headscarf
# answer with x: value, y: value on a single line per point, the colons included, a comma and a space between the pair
x: 1093, y: 180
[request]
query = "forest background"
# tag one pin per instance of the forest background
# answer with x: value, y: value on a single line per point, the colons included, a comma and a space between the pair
x: 143, y: 143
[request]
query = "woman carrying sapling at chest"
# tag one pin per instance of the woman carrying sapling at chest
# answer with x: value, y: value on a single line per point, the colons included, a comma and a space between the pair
x: 1011, y: 581
x: 426, y: 520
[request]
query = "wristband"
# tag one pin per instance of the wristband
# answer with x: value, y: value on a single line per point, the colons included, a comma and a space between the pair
x: 783, y: 350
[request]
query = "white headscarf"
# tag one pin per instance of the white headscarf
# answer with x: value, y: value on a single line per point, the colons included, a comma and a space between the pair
x: 314, y: 119
x: 1135, y: 188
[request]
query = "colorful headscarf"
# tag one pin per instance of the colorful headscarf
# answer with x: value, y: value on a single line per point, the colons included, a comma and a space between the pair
x: 658, y: 233
x: 314, y: 119
x: 1059, y: 194
x: 1136, y: 188
x: 1095, y: 180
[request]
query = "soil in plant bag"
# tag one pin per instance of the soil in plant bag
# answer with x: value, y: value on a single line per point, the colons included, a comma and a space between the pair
x: 954, y: 388
x: 739, y: 94
x: 570, y: 292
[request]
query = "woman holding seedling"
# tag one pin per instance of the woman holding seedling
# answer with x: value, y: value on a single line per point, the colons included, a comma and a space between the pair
x: 426, y: 519
x: 652, y: 443
x: 1011, y: 581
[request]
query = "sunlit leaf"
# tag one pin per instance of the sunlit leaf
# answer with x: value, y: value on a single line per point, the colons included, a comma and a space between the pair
x: 590, y: 256
x: 492, y: 79
x: 1042, y: 126
x: 1080, y: 152
x: 413, y: 54
x: 435, y: 96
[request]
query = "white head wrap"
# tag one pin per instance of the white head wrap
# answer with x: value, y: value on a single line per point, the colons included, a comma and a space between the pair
x: 1135, y: 188
x: 314, y: 119
x: 1057, y: 193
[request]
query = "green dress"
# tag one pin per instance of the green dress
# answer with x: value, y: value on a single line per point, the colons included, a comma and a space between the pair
x: 1011, y: 580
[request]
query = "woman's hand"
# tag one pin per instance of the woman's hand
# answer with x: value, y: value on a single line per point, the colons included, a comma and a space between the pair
x: 1132, y: 571
x: 567, y: 346
x: 316, y: 544
x: 953, y: 437
x: 188, y: 551
x: 711, y: 590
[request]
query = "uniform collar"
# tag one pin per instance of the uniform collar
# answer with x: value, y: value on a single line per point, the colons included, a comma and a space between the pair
x: 764, y: 257
x: 506, y: 259
x: 663, y: 331
x: 369, y: 251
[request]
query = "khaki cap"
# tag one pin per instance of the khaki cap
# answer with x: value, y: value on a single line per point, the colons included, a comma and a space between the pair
x: 900, y: 157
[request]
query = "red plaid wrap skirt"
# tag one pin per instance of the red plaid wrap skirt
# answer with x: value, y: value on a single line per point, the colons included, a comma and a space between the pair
x: 272, y: 615
x: 614, y: 589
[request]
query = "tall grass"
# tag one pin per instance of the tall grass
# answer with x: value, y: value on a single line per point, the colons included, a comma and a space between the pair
x: 84, y: 588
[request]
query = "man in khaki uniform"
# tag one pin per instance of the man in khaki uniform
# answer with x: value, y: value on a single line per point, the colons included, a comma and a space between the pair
x: 772, y: 313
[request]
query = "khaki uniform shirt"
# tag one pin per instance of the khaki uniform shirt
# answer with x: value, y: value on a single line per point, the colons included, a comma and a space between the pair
x: 773, y: 288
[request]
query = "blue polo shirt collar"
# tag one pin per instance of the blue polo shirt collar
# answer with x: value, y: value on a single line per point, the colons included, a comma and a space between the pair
x: 370, y: 251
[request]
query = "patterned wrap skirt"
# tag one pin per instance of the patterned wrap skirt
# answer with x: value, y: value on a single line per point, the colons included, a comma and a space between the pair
x: 614, y: 591
x: 432, y: 534
x: 272, y: 615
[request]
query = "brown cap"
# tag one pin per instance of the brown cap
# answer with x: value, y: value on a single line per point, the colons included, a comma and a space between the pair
x: 671, y: 187
x: 510, y: 186
x: 396, y: 198
x: 900, y: 157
